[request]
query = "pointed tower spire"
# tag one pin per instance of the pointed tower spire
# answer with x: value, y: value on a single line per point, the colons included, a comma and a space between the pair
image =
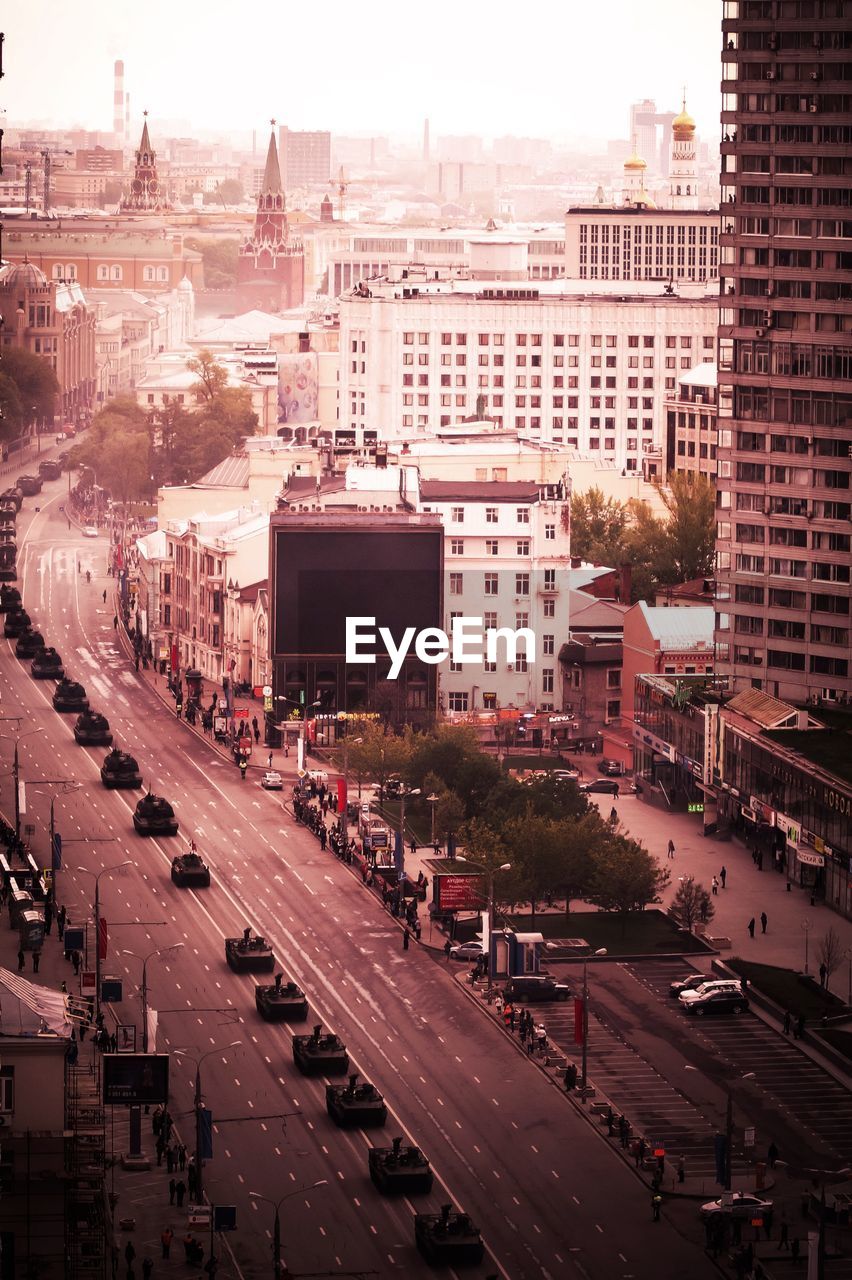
x: 145, y: 144
x: 272, y: 172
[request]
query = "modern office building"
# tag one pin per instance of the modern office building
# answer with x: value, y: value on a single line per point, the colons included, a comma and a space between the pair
x: 305, y: 157
x: 785, y: 350
x: 638, y: 241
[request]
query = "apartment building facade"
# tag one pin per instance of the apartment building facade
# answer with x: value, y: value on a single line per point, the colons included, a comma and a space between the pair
x: 561, y: 362
x: 641, y: 242
x: 785, y: 350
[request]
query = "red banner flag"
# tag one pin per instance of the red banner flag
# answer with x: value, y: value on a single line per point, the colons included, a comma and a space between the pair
x: 341, y: 795
x: 578, y: 1020
x: 102, y: 939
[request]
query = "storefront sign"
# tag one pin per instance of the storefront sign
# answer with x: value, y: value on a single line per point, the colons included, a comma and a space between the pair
x: 653, y: 743
x: 809, y: 859
x: 791, y: 829
x: 459, y: 893
x: 763, y: 811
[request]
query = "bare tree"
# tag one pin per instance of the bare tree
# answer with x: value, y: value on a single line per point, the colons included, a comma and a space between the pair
x: 692, y: 903
x: 830, y: 953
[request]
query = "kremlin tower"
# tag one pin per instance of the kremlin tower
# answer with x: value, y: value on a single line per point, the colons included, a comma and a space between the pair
x: 145, y: 195
x: 683, y: 163
x: 271, y: 264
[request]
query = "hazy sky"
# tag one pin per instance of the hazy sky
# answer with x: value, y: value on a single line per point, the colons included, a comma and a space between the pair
x: 539, y: 69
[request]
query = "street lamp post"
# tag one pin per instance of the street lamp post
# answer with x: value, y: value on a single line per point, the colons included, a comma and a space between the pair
x: 199, y: 1112
x: 847, y: 955
x: 729, y: 1131
x: 585, y: 1054
x: 158, y: 951
x: 806, y: 924
x: 277, y: 1269
x: 415, y: 791
x: 342, y: 820
x: 68, y: 787
x: 97, y: 874
x: 17, y: 779
x: 432, y: 800
x: 506, y: 866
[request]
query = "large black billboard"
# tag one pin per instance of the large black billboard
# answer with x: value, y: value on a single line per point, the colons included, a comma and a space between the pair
x: 135, y: 1078
x: 324, y: 575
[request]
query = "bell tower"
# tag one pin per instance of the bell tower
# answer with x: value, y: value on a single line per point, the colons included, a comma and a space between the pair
x: 146, y: 194
x: 683, y: 162
x: 271, y: 263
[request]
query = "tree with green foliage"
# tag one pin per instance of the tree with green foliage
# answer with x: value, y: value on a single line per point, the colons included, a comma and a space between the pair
x: 449, y: 815
x: 691, y: 903
x: 625, y: 877
x: 379, y: 755
x: 453, y: 754
x: 219, y: 258
x: 36, y: 383
x: 228, y: 192
x: 11, y: 409
x: 689, y: 537
x: 597, y: 525
x: 212, y: 377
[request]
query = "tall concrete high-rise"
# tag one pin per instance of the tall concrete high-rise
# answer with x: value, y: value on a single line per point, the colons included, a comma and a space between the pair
x: 785, y: 352
x: 305, y: 157
x: 426, y: 139
x: 118, y: 102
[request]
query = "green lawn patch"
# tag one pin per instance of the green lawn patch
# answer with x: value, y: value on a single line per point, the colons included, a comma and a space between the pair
x: 642, y: 933
x: 789, y: 989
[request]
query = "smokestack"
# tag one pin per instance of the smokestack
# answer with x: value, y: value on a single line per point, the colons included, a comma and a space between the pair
x: 425, y: 139
x: 118, y: 102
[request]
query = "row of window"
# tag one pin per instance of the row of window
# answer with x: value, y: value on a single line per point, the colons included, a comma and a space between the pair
x: 537, y: 340
x: 68, y: 271
x: 492, y: 515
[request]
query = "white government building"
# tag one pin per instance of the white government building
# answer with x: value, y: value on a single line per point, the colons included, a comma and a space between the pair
x: 584, y: 364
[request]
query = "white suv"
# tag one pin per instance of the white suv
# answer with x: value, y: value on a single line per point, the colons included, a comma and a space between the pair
x: 732, y: 985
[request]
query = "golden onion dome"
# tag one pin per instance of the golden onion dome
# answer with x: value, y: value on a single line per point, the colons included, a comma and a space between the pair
x: 635, y: 162
x: 683, y: 125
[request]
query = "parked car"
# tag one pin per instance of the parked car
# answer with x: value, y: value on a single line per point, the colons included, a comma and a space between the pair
x: 612, y: 768
x: 699, y: 1003
x: 690, y: 983
x: 743, y: 1205
x: 600, y: 786
x: 271, y: 780
x: 536, y: 986
x: 704, y: 985
x: 89, y: 531
x: 565, y: 775
x: 466, y: 951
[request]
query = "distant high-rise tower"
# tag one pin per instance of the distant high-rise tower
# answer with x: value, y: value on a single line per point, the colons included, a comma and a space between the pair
x: 271, y: 263
x: 118, y: 103
x: 145, y: 195
x: 426, y: 139
x: 643, y: 129
x: 784, y: 492
x: 305, y: 157
x: 683, y: 162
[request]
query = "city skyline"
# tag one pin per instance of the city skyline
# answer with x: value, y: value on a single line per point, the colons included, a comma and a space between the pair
x: 659, y: 50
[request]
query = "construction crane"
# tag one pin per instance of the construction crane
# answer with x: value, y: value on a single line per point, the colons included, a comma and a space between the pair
x: 341, y: 186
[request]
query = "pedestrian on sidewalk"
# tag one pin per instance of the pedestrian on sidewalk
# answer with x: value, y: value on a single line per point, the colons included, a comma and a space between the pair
x: 48, y: 916
x: 671, y: 849
x: 787, y: 1022
x: 723, y: 875
x: 714, y: 884
x: 36, y: 960
x: 170, y: 1161
x: 21, y: 959
x: 181, y: 1157
x: 60, y: 921
x: 751, y: 927
x: 172, y: 1190
x: 129, y: 1255
x: 771, y: 1155
x: 269, y: 761
x: 823, y: 974
x: 75, y: 960
x: 800, y: 1027
x: 764, y: 921
x: 448, y: 946
x: 147, y: 1268
x: 180, y: 1192
x: 166, y: 1241
x: 681, y: 1169
x: 656, y: 1204
x: 406, y: 937
x: 784, y: 1238
x: 639, y: 1154
x: 115, y: 622
x: 104, y: 597
x: 499, y: 1004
